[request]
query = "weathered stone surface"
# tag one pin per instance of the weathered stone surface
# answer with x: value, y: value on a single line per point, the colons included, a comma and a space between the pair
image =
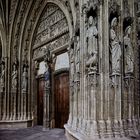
x: 102, y: 41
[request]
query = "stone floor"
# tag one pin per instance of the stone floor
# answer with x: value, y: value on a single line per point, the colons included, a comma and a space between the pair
x: 35, y: 133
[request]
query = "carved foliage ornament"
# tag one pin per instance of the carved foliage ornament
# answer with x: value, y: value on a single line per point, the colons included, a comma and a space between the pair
x: 77, y: 9
x: 126, y: 9
x: 18, y: 26
x: 137, y: 7
x: 114, y: 8
x: 91, y: 4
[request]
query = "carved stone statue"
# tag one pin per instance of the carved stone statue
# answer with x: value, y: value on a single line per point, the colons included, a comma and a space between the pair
x: 2, y: 76
x: 47, y: 73
x: 24, y: 79
x: 115, y: 47
x: 14, y: 76
x: 47, y: 78
x: 92, y: 44
x: 47, y: 55
x: 128, y: 51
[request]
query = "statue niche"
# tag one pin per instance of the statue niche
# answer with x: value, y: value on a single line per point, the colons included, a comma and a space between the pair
x: 25, y: 79
x: 115, y: 47
x: 14, y: 76
x: 128, y: 51
x: 92, y: 44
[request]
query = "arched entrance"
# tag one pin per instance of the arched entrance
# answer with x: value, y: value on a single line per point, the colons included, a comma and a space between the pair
x: 52, y: 33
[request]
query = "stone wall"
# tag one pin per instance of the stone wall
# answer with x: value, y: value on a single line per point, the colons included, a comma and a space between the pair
x: 101, y: 38
x: 105, y: 100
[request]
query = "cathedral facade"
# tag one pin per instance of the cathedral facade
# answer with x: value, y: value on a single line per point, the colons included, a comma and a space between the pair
x: 71, y: 64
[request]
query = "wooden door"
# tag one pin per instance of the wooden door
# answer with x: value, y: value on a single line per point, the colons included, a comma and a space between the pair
x: 41, y: 84
x: 61, y: 99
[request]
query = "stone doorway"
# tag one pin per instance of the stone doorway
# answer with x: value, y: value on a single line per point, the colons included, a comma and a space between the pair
x: 51, y: 35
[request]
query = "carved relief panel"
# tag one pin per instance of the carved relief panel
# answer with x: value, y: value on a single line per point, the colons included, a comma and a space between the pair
x: 52, y: 31
x: 52, y: 24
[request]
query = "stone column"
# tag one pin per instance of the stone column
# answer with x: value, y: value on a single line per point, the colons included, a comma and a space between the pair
x: 3, y: 89
x: 100, y: 77
x: 8, y: 97
x: 76, y: 80
x: 105, y: 126
x: 46, y: 105
x: 82, y: 53
x: 4, y: 105
x: 71, y: 91
x: 93, y: 104
x: 116, y: 81
x: 1, y: 105
x: 45, y: 108
x: 46, y: 101
x: 71, y: 78
x: 129, y: 82
x: 23, y: 105
x: 75, y: 106
x: 13, y: 104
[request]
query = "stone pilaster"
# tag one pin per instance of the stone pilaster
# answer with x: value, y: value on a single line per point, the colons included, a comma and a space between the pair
x: 116, y: 81
x: 23, y: 105
x: 13, y: 104
x: 106, y: 130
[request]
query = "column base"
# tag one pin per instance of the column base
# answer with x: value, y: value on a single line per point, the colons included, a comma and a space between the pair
x: 108, y: 132
x: 76, y: 135
x: 4, y: 124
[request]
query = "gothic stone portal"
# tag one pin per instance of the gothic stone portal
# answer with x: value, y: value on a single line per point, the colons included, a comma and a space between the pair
x: 52, y: 33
